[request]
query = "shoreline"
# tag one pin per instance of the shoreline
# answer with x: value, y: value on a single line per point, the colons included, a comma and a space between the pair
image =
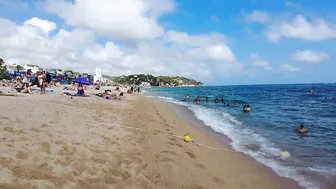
x: 97, y: 143
x: 189, y: 116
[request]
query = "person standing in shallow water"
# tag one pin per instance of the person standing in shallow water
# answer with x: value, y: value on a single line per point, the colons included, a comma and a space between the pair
x: 216, y: 100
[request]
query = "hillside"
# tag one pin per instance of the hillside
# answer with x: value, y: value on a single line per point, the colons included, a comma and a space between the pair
x: 156, y: 80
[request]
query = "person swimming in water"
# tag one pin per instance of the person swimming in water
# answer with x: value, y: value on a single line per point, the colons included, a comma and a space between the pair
x: 247, y: 108
x: 216, y: 100
x: 187, y: 97
x: 197, y: 100
x: 302, y: 129
x: 236, y: 103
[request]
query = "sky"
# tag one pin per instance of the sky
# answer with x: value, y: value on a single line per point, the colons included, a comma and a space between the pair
x: 214, y: 41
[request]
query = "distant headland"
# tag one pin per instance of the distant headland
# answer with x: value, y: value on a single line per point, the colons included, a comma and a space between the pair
x: 167, y: 81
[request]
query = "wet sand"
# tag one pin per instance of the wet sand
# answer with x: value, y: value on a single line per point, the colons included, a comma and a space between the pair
x: 52, y: 141
x: 188, y: 115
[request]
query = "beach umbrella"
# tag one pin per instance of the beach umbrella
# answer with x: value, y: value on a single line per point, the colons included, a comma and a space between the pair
x: 7, y: 75
x: 82, y: 80
x: 52, y: 75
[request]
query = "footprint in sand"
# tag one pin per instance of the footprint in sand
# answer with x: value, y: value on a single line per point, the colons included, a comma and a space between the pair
x: 169, y: 152
x: 35, y: 129
x: 167, y: 156
x: 201, y: 166
x: 22, y: 155
x: 196, y: 186
x: 218, y: 181
x: 175, y: 144
x: 45, y: 147
x: 13, y: 131
x: 156, y: 131
x: 191, y: 155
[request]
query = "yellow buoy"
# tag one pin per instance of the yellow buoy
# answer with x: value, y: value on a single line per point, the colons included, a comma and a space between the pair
x: 285, y: 154
x: 187, y: 138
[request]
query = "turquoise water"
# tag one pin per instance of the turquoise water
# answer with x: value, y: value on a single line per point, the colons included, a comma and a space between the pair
x: 269, y: 129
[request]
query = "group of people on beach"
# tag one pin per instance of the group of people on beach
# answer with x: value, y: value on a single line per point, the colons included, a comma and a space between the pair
x: 134, y: 90
x: 24, y: 83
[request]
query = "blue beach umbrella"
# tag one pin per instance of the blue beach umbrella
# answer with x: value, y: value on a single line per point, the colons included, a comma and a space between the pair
x: 82, y: 80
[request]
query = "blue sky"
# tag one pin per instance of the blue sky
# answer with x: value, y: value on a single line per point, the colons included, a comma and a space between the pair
x: 261, y: 41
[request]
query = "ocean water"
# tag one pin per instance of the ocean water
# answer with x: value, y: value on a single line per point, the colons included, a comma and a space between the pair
x: 269, y: 129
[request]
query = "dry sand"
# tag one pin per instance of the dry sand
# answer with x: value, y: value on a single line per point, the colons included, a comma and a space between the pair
x: 52, y: 141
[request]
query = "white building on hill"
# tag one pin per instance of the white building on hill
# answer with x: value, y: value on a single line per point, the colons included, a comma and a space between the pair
x: 32, y: 67
x: 99, y: 76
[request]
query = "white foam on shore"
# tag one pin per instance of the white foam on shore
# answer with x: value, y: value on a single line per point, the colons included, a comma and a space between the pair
x: 242, y: 136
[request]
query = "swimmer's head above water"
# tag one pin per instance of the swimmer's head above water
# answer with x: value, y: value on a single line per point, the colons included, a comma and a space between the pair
x: 302, y: 129
x: 247, y: 108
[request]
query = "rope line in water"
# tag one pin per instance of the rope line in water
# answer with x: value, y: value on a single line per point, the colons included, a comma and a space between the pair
x: 168, y: 134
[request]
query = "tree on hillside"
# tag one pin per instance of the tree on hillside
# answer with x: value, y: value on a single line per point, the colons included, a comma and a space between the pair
x: 19, y: 68
x: 3, y: 68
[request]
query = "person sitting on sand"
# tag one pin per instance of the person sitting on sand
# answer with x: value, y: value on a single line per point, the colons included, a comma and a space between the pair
x: 302, y: 129
x: 107, y: 94
x: 247, y: 108
x: 80, y: 90
x: 6, y: 94
x: 26, y: 89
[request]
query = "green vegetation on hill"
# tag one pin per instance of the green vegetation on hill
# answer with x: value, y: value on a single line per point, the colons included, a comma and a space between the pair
x: 156, y: 81
x: 3, y: 68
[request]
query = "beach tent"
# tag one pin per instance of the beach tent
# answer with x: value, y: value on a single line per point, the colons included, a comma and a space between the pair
x: 82, y: 80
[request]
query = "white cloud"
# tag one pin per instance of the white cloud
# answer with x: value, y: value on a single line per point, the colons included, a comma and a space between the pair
x: 310, y: 56
x: 260, y: 62
x: 289, y: 68
x: 184, y: 38
x: 301, y: 28
x: 126, y: 20
x: 44, y: 25
x: 256, y: 16
x: 176, y: 53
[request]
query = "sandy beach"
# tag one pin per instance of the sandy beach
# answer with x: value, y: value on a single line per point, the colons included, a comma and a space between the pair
x: 53, y: 141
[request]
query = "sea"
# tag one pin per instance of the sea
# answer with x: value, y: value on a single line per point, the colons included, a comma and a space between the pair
x: 269, y: 129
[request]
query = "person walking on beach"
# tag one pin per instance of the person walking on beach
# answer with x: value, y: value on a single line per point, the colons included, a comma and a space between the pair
x: 41, y: 79
x: 138, y: 90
